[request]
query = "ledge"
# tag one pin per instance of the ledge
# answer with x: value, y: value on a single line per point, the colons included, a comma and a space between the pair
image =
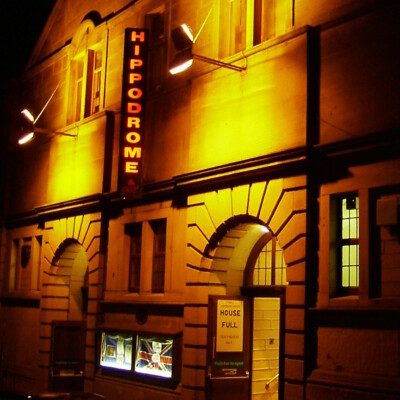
x: 355, y: 381
x: 20, y: 300
x: 151, y: 308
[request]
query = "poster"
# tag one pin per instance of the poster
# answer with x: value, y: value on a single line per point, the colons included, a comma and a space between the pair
x: 229, y: 334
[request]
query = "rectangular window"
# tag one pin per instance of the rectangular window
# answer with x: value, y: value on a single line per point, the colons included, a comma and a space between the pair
x: 36, y: 260
x: 156, y: 23
x: 159, y: 228
x: 154, y: 356
x: 93, y: 82
x: 77, y: 68
x: 135, y: 234
x: 232, y: 34
x: 14, y: 265
x: 86, y: 83
x: 116, y: 350
x: 151, y: 358
x: 264, y: 20
x: 384, y: 271
x: 248, y: 23
x: 345, y: 249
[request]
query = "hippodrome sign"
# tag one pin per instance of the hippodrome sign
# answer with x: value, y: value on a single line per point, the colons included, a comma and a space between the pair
x: 132, y: 111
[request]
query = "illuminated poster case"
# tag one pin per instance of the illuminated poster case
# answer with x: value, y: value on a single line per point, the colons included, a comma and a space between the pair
x: 141, y: 356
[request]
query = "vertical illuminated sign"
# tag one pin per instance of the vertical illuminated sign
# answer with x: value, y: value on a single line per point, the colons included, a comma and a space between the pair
x: 132, y: 111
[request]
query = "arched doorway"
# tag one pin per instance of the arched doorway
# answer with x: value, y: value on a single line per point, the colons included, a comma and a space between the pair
x: 66, y: 298
x: 249, y: 262
x: 265, y: 281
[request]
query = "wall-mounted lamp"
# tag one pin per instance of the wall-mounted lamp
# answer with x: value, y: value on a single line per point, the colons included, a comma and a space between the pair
x: 28, y: 127
x: 183, y: 41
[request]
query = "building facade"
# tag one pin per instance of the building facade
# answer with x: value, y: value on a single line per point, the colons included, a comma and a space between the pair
x: 226, y: 232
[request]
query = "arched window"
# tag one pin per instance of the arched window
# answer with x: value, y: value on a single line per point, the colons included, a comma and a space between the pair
x: 266, y: 265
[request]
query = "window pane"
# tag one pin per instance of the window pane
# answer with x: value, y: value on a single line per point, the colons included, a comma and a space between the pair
x: 14, y: 262
x: 78, y: 88
x: 135, y: 233
x: 350, y: 265
x: 350, y: 218
x: 347, y: 244
x: 78, y: 100
x: 232, y: 27
x: 159, y: 228
x: 270, y: 267
x: 96, y: 83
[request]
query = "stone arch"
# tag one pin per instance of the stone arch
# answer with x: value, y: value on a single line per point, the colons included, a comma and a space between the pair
x: 239, y: 236
x: 84, y: 232
x: 279, y: 205
x: 70, y: 265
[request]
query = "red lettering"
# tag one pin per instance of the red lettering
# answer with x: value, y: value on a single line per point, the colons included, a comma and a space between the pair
x: 133, y: 108
x: 132, y: 104
x: 135, y: 93
x: 135, y: 36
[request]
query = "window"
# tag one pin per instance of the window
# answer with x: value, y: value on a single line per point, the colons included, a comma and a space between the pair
x: 135, y: 233
x: 264, y: 20
x: 14, y: 265
x: 24, y: 264
x: 147, y: 256
x: 159, y: 228
x: 270, y: 267
x: 345, y: 245
x: 248, y: 23
x: 146, y: 357
x: 384, y: 271
x: 156, y: 23
x: 232, y: 27
x: 86, y: 83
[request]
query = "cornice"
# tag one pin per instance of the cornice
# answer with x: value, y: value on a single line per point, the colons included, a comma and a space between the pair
x: 321, y: 162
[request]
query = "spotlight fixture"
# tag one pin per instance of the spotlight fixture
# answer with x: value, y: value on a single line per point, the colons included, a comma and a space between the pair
x: 28, y: 127
x: 183, y: 40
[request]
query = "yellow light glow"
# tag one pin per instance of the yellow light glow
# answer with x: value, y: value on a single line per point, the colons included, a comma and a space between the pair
x: 187, y: 31
x: 26, y: 138
x: 27, y: 114
x: 181, y: 67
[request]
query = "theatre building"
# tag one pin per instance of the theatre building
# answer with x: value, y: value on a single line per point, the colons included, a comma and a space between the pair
x: 226, y: 231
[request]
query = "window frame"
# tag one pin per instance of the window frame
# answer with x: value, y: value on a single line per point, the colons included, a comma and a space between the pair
x: 260, y: 21
x: 158, y: 49
x: 159, y: 228
x: 337, y: 244
x: 89, y: 41
x: 149, y: 253
x: 23, y: 271
x: 135, y: 232
x: 233, y: 20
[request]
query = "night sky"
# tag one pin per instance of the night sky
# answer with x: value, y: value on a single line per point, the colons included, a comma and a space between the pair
x: 22, y: 22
